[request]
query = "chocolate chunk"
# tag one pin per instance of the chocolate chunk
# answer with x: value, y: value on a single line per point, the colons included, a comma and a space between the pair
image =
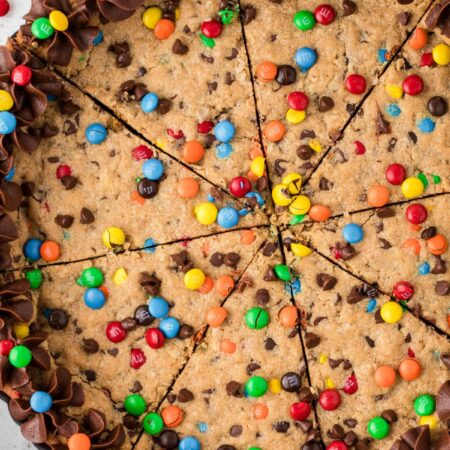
x: 248, y: 14
x: 64, y: 220
x: 445, y: 358
x: 279, y: 169
x: 403, y: 18
x: 304, y: 425
x: 142, y: 315
x: 227, y: 447
x: 325, y: 281
x: 370, y: 341
x: 349, y: 7
x: 216, y: 259
x: 212, y: 86
x: 129, y: 324
x: 439, y: 267
x: 386, y: 212
x: 122, y: 52
x: 58, y: 319
x: 90, y: 346
x: 234, y: 388
x: 389, y: 415
x: 311, y: 340
x: 229, y: 78
x: 286, y: 75
x: 428, y: 233
x: 384, y: 244
x: 252, y: 367
x: 355, y: 295
x: 69, y: 182
x: 336, y: 432
x: 269, y: 344
x: 262, y: 297
x: 206, y: 58
x: 437, y: 106
x: 86, y: 216
x: 232, y: 259
x: 351, y: 423
x: 262, y: 183
x: 186, y: 331
x: 130, y: 422
x: 150, y: 283
x: 182, y: 261
x: 178, y: 48
x: 324, y: 184
x: 137, y: 387
x: 404, y: 2
x: 382, y: 125
x: 442, y: 287
x: 312, y: 445
x: 164, y: 106
x: 305, y: 395
x: 325, y: 103
x: 233, y: 55
x: 281, y: 427
x: 334, y: 363
x: 113, y: 351
x: 350, y: 438
x: 147, y: 188
x: 413, y: 137
x: 235, y: 431
x: 185, y: 395
x: 305, y: 152
x: 90, y: 375
x: 270, y: 275
x: 291, y: 382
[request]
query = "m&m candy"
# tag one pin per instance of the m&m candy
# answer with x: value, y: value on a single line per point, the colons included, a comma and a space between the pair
x: 151, y: 17
x: 304, y: 20
x: 158, y: 307
x: 6, y: 100
x: 424, y: 405
x: 256, y: 386
x: 228, y: 217
x: 154, y: 338
x: 378, y: 428
x: 298, y: 101
x: 441, y: 54
x: 115, y: 332
x: 79, y: 441
x: 135, y: 404
x: 96, y: 133
x: 206, y: 213
x: 189, y: 443
x: 300, y: 410
x: 42, y: 29
x: 113, y: 237
x: 4, y: 7
x: 395, y: 174
x: 20, y: 356
x: 324, y: 14
x: 32, y: 249
x: 412, y: 85
x: 41, y: 402
x: 329, y: 399
x: 257, y: 318
x: 353, y: 233
x: 416, y: 214
x: 8, y: 122
x: 239, y: 186
x: 91, y: 277
x: 355, y: 84
x: 224, y: 131
x: 153, y: 169
x: 137, y: 358
x: 58, y: 20
x: 153, y: 423
x: 169, y: 327
x: 94, y: 298
x: 194, y: 279
x: 403, y: 290
x: 305, y: 58
x: 149, y: 102
x: 412, y: 187
x: 391, y: 312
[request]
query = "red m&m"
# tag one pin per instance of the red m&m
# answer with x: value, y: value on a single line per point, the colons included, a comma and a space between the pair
x: 115, y: 332
x: 324, y: 14
x: 395, y: 174
x: 137, y: 358
x: 6, y: 346
x: 351, y: 385
x: 154, y: 338
x: 330, y: 399
x: 416, y: 214
x: 211, y: 28
x: 239, y: 186
x: 62, y: 171
x: 300, y: 410
x: 412, y: 85
x: 298, y: 100
x: 337, y: 445
x: 355, y: 84
x: 205, y: 127
x: 403, y: 290
x: 21, y: 75
x: 4, y: 7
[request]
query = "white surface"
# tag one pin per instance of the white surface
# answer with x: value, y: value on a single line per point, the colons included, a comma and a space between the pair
x: 11, y: 439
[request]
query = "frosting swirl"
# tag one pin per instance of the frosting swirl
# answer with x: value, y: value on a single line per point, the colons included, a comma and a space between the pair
x: 115, y: 10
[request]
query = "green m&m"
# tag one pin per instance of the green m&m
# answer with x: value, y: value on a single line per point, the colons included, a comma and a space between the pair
x: 20, y: 356
x: 42, y: 28
x: 35, y: 278
x: 91, y: 277
x: 257, y: 318
x: 424, y: 405
x: 135, y: 404
x: 304, y: 20
x: 378, y: 428
x: 282, y: 272
x: 153, y: 423
x: 256, y: 386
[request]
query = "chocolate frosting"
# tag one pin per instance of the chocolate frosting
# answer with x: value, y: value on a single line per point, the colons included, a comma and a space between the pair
x: 418, y: 438
x: 439, y: 16
x: 115, y: 10
x: 79, y: 35
x: 443, y: 403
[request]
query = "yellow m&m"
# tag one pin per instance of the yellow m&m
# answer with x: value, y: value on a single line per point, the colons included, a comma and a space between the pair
x: 6, y: 101
x: 412, y: 187
x: 431, y: 421
x: 151, y: 17
x: 300, y: 205
x: 194, y: 279
x: 391, y: 312
x: 120, y: 276
x: 21, y: 330
x: 58, y: 20
x: 280, y: 195
x: 441, y: 54
x: 300, y: 250
x: 293, y: 181
x: 394, y: 91
x: 295, y: 117
x: 206, y: 213
x: 113, y: 237
x: 275, y: 385
x: 258, y: 166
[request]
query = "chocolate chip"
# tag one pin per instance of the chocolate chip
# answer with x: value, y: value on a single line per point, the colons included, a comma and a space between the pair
x: 269, y: 249
x: 142, y: 316
x: 129, y: 324
x: 113, y: 351
x: 262, y: 297
x: 370, y: 341
x: 413, y: 137
x: 90, y: 375
x: 305, y: 152
x: 137, y: 387
x: 384, y: 244
x: 248, y: 14
x: 178, y: 48
x: 334, y: 363
x: 86, y: 216
x: 437, y: 106
x: 262, y: 183
x: 164, y: 106
x: 252, y: 367
x: 404, y: 2
x: 269, y: 344
x: 150, y: 283
x: 206, y: 58
x: 291, y: 382
x: 69, y: 182
x: 304, y: 425
x: 439, y: 267
x: 336, y: 432
x: 233, y: 55
x: 305, y: 395
x: 90, y: 346
x: 235, y: 431
x: 386, y: 212
x: 185, y: 396
x: 445, y: 358
x: 311, y: 445
x: 234, y: 388
x: 270, y: 275
x: 130, y: 422
x: 355, y: 295
x: 350, y: 438
x: 182, y: 261
x: 349, y: 7
x: 325, y: 103
x: 227, y: 447
x: 281, y: 427
x: 286, y: 75
x: 382, y: 125
x: 186, y: 331
x: 325, y: 281
x: 389, y: 415
x: 428, y: 233
x: 325, y: 184
x: 351, y: 423
x: 403, y: 18
x: 311, y: 340
x: 442, y: 287
x: 147, y: 188
x: 229, y: 78
x: 232, y: 259
x: 64, y: 220
x: 58, y: 319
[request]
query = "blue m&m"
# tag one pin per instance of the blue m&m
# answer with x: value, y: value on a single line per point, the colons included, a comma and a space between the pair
x: 8, y: 122
x: 224, y: 150
x: 224, y: 131
x: 149, y: 102
x: 158, y: 307
x: 189, y: 443
x: 305, y: 58
x: 169, y: 327
x: 41, y: 402
x: 228, y: 217
x: 153, y: 169
x: 96, y: 133
x: 32, y: 249
x: 353, y: 233
x: 94, y: 298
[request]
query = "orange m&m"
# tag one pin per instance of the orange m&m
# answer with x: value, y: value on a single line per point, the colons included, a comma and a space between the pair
x: 319, y: 213
x: 274, y: 130
x: 79, y: 441
x: 216, y: 316
x: 409, y: 369
x: 437, y: 245
x: 288, y: 316
x: 266, y: 71
x: 224, y: 285
x: 193, y: 151
x: 50, y: 251
x: 385, y: 376
x: 377, y: 196
x: 163, y: 29
x: 260, y: 411
x: 172, y: 416
x: 188, y: 187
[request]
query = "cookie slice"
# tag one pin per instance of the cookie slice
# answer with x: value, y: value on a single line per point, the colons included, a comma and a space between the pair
x: 395, y: 137
x: 403, y: 248
x: 312, y: 66
x: 127, y: 323
x: 176, y: 88
x: 245, y: 386
x: 374, y: 380
x: 94, y: 175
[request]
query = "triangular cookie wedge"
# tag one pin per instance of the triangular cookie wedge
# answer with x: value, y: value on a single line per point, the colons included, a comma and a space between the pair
x: 75, y: 189
x: 375, y: 381
x: 312, y: 66
x: 257, y: 376
x: 98, y: 312
x: 197, y: 81
x: 403, y: 248
x: 395, y: 137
